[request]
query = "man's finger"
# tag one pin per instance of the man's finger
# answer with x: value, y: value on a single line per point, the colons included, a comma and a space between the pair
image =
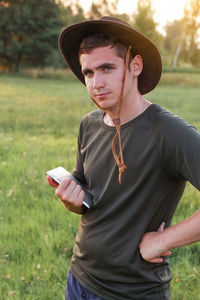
x: 160, y: 259
x: 52, y: 182
x: 62, y: 187
x: 156, y: 260
x: 162, y: 226
x: 167, y: 253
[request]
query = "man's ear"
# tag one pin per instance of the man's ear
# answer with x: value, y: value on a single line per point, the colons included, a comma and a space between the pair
x: 136, y: 65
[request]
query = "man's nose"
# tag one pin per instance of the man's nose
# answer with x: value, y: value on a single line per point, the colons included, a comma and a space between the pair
x: 98, y: 81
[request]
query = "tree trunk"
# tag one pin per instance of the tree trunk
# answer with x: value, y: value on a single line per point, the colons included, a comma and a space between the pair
x: 178, y: 50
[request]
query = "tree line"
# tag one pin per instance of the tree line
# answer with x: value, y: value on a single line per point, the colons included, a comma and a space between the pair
x: 29, y: 31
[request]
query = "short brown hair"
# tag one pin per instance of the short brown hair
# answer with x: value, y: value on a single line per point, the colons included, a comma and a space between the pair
x: 103, y: 40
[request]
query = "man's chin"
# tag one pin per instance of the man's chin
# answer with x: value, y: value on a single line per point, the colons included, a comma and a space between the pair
x: 105, y: 103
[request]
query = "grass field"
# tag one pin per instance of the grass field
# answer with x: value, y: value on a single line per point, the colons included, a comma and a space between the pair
x: 39, y: 120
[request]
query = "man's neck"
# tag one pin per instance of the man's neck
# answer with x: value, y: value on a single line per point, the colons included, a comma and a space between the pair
x: 129, y: 112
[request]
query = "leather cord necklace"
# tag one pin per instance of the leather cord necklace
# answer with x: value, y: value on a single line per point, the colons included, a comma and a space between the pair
x: 117, y: 122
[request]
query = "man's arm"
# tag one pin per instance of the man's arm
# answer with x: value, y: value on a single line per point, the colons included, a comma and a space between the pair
x: 156, y: 244
x: 70, y: 193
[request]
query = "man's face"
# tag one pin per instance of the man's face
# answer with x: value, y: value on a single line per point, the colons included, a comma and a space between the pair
x: 103, y: 71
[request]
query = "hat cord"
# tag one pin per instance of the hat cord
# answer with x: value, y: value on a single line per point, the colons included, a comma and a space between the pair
x: 117, y: 123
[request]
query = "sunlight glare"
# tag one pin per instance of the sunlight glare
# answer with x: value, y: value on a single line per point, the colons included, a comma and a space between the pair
x: 165, y: 11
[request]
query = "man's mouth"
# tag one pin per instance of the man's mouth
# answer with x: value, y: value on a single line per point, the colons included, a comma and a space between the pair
x: 102, y: 95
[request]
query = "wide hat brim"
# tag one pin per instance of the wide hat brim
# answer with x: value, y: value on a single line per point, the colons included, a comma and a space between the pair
x: 71, y: 37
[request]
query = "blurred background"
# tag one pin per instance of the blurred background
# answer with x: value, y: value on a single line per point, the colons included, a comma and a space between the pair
x: 41, y: 105
x: 29, y: 29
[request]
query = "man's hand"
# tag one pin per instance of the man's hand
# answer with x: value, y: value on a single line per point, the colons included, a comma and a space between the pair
x: 156, y: 244
x: 152, y: 246
x: 70, y: 193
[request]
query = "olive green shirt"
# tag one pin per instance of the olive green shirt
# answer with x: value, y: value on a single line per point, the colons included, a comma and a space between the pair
x: 161, y: 152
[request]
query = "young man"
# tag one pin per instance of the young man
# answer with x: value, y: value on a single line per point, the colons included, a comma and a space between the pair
x: 124, y: 239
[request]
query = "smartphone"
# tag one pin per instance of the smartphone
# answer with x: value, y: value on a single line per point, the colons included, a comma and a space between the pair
x: 60, y: 173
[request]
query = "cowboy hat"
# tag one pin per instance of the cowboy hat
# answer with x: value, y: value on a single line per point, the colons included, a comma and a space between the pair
x: 71, y: 37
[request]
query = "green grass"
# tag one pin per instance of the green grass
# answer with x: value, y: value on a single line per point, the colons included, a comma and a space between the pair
x: 38, y: 130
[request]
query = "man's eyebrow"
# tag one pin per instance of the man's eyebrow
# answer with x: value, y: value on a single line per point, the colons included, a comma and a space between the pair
x: 106, y: 65
x: 102, y: 66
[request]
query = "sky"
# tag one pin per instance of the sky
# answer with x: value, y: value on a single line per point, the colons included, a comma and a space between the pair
x: 165, y: 10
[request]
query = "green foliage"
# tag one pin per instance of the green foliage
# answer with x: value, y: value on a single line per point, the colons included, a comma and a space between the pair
x: 105, y: 8
x: 29, y: 31
x: 72, y: 13
x: 172, y: 39
x: 191, y: 19
x: 143, y: 21
x: 194, y: 55
x: 182, y: 36
x: 39, y: 125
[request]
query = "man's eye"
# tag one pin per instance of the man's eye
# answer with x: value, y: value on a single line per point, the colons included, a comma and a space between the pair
x: 107, y: 69
x: 88, y: 73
